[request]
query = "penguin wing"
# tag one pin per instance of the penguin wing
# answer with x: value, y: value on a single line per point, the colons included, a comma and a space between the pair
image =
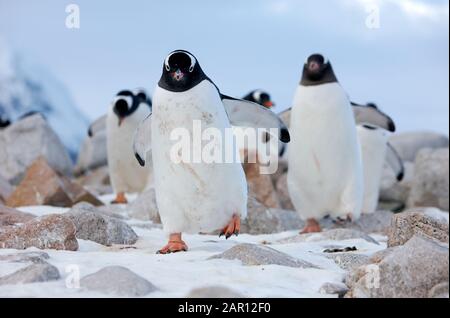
x: 373, y: 116
x: 142, y: 140
x: 395, y: 162
x: 285, y: 116
x: 97, y: 126
x: 249, y: 114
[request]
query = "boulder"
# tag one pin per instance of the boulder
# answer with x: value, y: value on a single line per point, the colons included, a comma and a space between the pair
x: 52, y: 231
x: 144, y: 208
x: 96, y: 181
x: 10, y: 216
x: 93, y: 153
x: 425, y: 222
x: 253, y: 255
x: 392, y: 190
x: 408, y: 271
x: 213, y: 292
x: 25, y: 257
x: 34, y: 273
x: 378, y: 222
x: 44, y: 186
x: 430, y: 186
x: 98, y: 227
x: 408, y: 144
x: 439, y: 291
x: 283, y: 193
x: 26, y: 140
x: 260, y: 186
x: 5, y: 190
x: 118, y: 281
x: 334, y: 289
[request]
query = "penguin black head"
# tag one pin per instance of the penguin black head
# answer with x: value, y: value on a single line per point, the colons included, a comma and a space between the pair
x: 260, y: 97
x: 181, y: 72
x: 317, y: 70
x: 126, y: 103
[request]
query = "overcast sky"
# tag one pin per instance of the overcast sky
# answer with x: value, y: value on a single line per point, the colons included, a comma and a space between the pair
x: 244, y: 45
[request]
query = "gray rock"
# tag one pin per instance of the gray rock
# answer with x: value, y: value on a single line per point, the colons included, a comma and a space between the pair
x: 144, y: 208
x: 10, y: 216
x: 96, y: 181
x: 93, y: 153
x: 439, y: 291
x: 5, y: 189
x: 411, y: 270
x: 408, y: 144
x: 330, y: 235
x: 283, y: 193
x: 430, y: 186
x: 119, y: 281
x: 417, y: 222
x: 253, y: 255
x: 95, y: 226
x: 34, y: 273
x: 213, y: 292
x: 392, y: 190
x: 334, y: 289
x: 26, y: 257
x: 377, y: 222
x: 26, y: 140
x: 348, y: 261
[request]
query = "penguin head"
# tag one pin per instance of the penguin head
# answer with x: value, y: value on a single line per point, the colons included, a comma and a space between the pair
x: 181, y: 71
x: 260, y: 97
x: 142, y: 97
x: 126, y: 102
x: 316, y: 67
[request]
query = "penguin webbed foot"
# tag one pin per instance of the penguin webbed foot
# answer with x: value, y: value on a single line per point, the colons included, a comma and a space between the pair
x: 233, y: 228
x: 120, y: 199
x: 312, y: 226
x: 175, y: 245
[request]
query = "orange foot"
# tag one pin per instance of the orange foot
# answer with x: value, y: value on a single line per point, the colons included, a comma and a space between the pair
x: 176, y: 244
x: 120, y: 199
x: 312, y: 226
x: 234, y: 227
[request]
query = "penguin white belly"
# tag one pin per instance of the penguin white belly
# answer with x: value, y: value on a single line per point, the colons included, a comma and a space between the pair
x: 125, y: 172
x: 373, y: 150
x: 325, y: 172
x: 193, y: 197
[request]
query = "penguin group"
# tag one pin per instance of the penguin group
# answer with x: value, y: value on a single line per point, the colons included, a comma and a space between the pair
x: 336, y: 153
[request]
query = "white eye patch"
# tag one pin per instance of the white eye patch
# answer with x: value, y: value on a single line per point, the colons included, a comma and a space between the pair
x: 257, y: 95
x: 192, y: 58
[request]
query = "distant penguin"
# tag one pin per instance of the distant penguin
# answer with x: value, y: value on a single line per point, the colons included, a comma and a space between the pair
x: 127, y: 111
x: 376, y: 151
x: 196, y: 196
x: 325, y: 175
x: 261, y: 97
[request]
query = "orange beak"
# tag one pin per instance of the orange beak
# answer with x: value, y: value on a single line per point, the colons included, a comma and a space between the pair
x: 268, y: 104
x: 120, y: 121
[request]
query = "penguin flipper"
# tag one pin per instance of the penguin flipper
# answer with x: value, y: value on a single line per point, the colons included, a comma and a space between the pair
x: 365, y: 114
x: 248, y: 114
x: 395, y: 162
x: 285, y: 116
x: 98, y: 125
x: 142, y: 140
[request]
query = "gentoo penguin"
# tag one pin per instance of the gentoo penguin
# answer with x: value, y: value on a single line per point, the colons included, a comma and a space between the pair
x: 325, y: 175
x: 260, y: 97
x: 376, y: 151
x: 196, y: 196
x: 127, y: 111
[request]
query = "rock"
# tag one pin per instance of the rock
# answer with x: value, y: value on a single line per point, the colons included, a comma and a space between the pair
x: 407, y: 224
x: 253, y: 255
x: 334, y: 289
x: 48, y: 232
x: 10, y: 216
x: 392, y: 190
x: 330, y: 235
x: 93, y: 153
x: 97, y: 227
x: 44, y: 186
x: 260, y: 186
x: 439, y: 291
x: 430, y: 187
x: 119, y: 281
x: 96, y: 181
x: 261, y: 220
x: 34, y: 273
x: 283, y: 193
x: 26, y: 257
x: 26, y: 140
x: 281, y: 171
x: 378, y: 222
x: 5, y: 189
x: 348, y: 261
x: 213, y: 292
x: 410, y: 143
x: 409, y: 271
x: 144, y: 208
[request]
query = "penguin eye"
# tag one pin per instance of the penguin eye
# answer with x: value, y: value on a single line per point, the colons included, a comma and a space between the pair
x: 167, y: 67
x: 191, y: 68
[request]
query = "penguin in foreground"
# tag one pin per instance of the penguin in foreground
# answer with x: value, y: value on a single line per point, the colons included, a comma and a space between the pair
x: 376, y: 151
x: 325, y: 175
x: 127, y: 111
x: 192, y: 196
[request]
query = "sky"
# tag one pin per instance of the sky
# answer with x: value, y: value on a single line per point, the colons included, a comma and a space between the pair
x: 392, y: 52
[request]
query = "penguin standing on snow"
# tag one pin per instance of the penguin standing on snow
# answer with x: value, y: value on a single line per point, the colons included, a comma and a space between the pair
x: 196, y: 196
x: 325, y: 175
x: 375, y: 151
x: 127, y: 111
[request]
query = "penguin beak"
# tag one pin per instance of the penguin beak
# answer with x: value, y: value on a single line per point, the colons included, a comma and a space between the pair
x: 120, y: 121
x: 268, y: 104
x: 178, y: 75
x: 314, y: 66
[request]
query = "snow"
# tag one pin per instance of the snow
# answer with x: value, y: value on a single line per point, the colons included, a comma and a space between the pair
x: 176, y: 275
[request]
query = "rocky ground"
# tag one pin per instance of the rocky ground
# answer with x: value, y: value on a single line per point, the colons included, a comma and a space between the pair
x: 59, y: 237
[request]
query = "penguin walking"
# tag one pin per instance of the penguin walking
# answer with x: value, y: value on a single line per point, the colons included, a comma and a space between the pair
x: 196, y: 196
x: 125, y: 114
x: 325, y: 175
